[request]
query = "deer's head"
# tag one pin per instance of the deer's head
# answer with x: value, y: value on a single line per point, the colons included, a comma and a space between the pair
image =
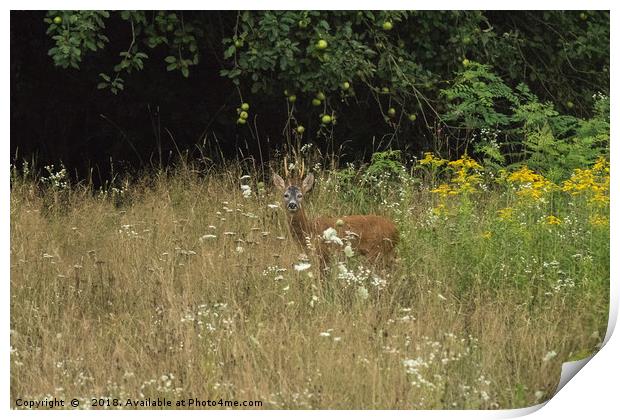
x: 293, y: 194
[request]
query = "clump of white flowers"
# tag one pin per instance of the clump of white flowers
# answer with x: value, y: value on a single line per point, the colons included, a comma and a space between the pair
x: 302, y: 266
x: 330, y: 236
x: 348, y: 251
x: 550, y: 355
x: 362, y: 293
x: 56, y: 179
x: 246, y: 190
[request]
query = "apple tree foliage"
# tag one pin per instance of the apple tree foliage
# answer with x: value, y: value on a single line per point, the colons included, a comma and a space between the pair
x: 478, y: 78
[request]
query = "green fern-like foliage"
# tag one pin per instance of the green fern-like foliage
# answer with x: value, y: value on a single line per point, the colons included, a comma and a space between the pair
x: 385, y: 165
x: 478, y: 98
x: 556, y: 144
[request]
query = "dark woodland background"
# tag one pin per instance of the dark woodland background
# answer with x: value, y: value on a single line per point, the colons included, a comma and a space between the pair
x: 60, y: 113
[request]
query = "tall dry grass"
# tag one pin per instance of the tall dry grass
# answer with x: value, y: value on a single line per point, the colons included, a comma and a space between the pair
x: 178, y: 286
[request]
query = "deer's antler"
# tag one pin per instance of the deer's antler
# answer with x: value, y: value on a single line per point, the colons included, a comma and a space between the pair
x: 286, y: 175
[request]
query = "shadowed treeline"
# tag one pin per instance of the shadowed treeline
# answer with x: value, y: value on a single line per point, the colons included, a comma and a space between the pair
x: 393, y: 73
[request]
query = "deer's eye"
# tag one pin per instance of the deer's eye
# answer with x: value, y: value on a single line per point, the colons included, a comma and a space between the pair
x: 285, y: 195
x: 299, y: 196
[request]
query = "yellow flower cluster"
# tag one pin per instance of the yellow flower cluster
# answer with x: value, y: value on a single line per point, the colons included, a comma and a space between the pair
x: 444, y: 190
x: 505, y: 213
x: 440, y: 210
x: 553, y: 220
x: 593, y: 183
x: 465, y: 162
x: 530, y: 184
x: 599, y: 220
x: 431, y: 160
x: 465, y: 176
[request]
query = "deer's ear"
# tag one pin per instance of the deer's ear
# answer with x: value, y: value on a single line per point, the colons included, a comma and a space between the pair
x: 279, y: 182
x: 307, y: 184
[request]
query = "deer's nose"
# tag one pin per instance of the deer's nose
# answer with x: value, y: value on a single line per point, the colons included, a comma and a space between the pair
x: 292, y: 206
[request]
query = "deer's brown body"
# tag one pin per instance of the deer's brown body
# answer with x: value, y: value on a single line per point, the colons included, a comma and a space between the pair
x: 373, y: 236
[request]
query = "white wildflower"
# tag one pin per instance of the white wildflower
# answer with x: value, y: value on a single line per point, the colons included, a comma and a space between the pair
x: 302, y: 266
x: 550, y: 355
x: 207, y: 237
x: 484, y: 396
x: 348, y: 251
x: 362, y: 293
x: 246, y: 191
x: 330, y: 235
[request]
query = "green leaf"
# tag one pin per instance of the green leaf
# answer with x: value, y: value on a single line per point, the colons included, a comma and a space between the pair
x: 230, y: 51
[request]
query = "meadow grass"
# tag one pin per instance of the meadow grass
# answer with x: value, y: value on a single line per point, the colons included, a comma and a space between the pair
x: 184, y: 285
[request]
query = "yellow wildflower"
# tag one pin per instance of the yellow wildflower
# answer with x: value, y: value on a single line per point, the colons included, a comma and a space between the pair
x: 487, y: 235
x: 431, y: 160
x: 524, y: 176
x: 465, y: 162
x: 440, y: 210
x: 505, y: 213
x: 581, y: 181
x: 599, y: 220
x: 443, y: 190
x: 530, y: 184
x: 466, y: 181
x: 593, y: 183
x: 601, y: 166
x: 533, y: 193
x: 464, y: 176
x: 553, y: 220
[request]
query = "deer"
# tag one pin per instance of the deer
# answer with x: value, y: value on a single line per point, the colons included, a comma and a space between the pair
x: 372, y: 236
